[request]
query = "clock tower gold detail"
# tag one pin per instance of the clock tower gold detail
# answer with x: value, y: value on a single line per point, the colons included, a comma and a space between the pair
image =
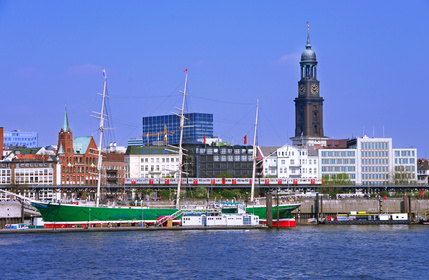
x: 315, y: 89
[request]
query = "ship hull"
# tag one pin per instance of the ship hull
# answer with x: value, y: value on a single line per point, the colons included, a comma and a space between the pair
x: 68, y: 216
x: 286, y: 218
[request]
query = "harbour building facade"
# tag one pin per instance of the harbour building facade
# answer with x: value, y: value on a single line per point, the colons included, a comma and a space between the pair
x: 374, y: 160
x: 405, y: 166
x: 291, y: 162
x: 204, y: 161
x: 370, y: 161
x: 16, y: 138
x: 157, y: 130
x: 151, y: 162
x: 336, y: 162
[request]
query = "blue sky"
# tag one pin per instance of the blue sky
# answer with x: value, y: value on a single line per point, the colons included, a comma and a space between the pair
x: 373, y: 65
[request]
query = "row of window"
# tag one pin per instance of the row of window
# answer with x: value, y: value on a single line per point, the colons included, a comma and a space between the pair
x: 295, y: 170
x: 112, y: 167
x: 78, y: 180
x: 33, y: 179
x: 404, y: 161
x: 375, y: 161
x: 338, y: 169
x: 339, y: 161
x: 35, y: 164
x: 404, y: 153
x: 338, y: 154
x: 157, y: 160
x: 44, y: 171
x: 304, y: 170
x: 156, y: 151
x: 374, y: 176
x: 375, y: 154
x: 77, y: 160
x: 375, y: 169
x: 402, y: 176
x: 5, y: 180
x: 232, y: 158
x: 79, y: 169
x: 5, y: 172
x: 301, y: 161
x: 26, y: 139
x: 405, y: 168
x: 166, y: 168
x: 224, y: 151
x: 19, y: 134
x: 292, y: 161
x: 375, y: 145
x: 286, y: 154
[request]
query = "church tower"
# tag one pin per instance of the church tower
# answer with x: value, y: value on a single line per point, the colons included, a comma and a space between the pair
x: 65, y: 138
x: 308, y: 104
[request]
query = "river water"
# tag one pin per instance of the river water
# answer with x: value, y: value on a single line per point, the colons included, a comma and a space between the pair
x: 305, y: 252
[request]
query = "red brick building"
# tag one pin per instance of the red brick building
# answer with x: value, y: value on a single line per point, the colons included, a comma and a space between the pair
x: 113, y: 169
x: 77, y: 157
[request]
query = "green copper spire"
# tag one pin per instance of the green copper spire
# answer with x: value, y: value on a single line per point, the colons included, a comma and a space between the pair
x: 65, y: 121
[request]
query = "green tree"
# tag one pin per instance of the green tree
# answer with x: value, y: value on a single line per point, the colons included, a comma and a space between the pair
x: 337, y: 179
x: 403, y: 176
x: 164, y: 194
x: 228, y: 194
x: 225, y: 175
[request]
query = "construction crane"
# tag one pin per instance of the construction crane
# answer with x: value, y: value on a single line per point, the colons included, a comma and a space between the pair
x: 165, y: 132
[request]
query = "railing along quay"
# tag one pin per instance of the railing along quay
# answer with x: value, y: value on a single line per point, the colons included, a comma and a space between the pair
x: 242, y: 186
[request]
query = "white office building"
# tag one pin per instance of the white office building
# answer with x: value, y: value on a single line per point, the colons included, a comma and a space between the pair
x: 370, y: 161
x: 405, y: 166
x: 334, y: 162
x: 374, y: 160
x: 151, y: 162
x: 291, y: 162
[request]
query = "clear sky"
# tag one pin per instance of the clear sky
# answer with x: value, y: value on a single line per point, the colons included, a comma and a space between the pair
x: 373, y: 65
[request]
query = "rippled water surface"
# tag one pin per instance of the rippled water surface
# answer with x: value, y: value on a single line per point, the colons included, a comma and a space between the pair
x: 317, y: 252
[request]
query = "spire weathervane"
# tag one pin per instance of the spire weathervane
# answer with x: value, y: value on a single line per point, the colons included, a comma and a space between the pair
x: 308, y: 46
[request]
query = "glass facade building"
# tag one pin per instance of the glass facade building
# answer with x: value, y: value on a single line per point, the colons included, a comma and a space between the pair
x: 197, y: 125
x: 17, y: 138
x: 205, y: 161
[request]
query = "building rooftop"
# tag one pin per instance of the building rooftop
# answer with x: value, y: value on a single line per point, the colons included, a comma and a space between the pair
x: 136, y: 150
x: 80, y: 144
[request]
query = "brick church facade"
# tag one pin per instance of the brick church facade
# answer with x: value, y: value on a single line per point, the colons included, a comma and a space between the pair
x: 77, y: 157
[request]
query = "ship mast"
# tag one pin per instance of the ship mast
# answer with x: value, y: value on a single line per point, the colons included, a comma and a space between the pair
x: 101, y: 116
x: 252, y: 193
x: 182, y: 125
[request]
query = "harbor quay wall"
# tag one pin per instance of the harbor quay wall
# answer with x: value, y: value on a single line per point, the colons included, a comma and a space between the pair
x: 10, y: 213
x: 345, y: 206
x: 10, y: 209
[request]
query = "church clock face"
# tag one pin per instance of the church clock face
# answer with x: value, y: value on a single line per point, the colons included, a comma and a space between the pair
x: 301, y: 89
x: 314, y: 89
